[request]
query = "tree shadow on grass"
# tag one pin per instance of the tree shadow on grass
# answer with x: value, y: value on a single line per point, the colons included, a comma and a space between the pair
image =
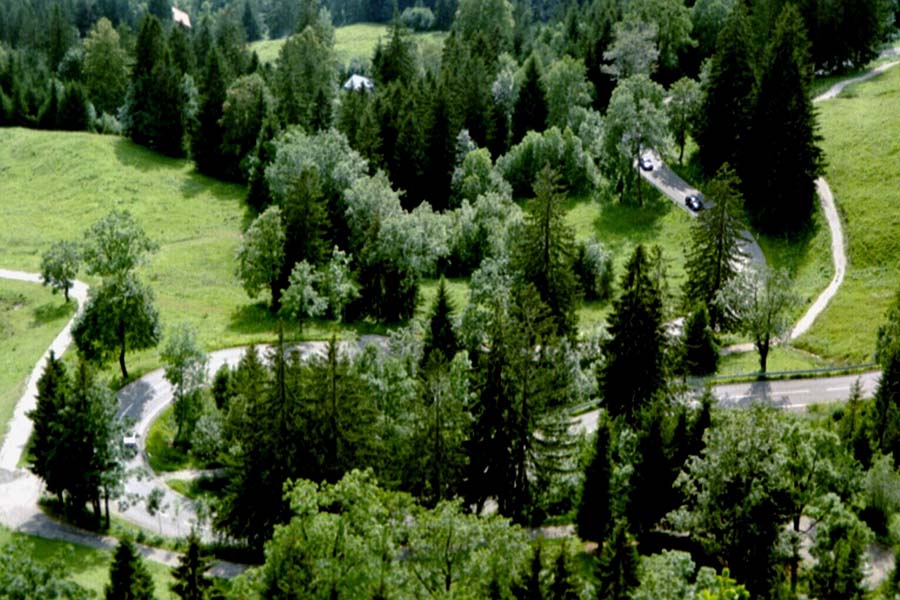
x: 257, y: 319
x: 790, y: 251
x: 133, y: 155
x: 619, y: 221
x: 51, y: 311
x: 250, y: 319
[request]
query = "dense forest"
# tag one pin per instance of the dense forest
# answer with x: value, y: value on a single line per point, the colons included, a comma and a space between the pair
x: 369, y: 472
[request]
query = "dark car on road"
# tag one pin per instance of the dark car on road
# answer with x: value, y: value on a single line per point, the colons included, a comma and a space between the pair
x: 694, y: 202
x: 646, y: 163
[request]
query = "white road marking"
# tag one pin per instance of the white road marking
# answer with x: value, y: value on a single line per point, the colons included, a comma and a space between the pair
x: 840, y: 388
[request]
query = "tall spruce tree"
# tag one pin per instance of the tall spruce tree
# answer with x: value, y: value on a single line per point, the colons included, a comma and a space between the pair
x: 634, y: 371
x: 206, y: 141
x: 723, y: 131
x: 440, y: 338
x: 715, y: 252
x: 700, y: 355
x: 530, y: 111
x: 129, y: 578
x: 785, y: 159
x: 191, y: 581
x: 594, y: 519
x: 46, y: 460
x: 617, y: 565
x: 546, y: 253
x: 154, y: 96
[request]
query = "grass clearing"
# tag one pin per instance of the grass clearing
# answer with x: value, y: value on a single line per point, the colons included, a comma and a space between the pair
x: 88, y: 567
x: 355, y: 41
x: 860, y: 131
x: 781, y: 358
x: 30, y: 318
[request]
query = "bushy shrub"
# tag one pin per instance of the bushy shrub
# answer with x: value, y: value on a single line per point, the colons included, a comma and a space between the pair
x: 108, y: 125
x: 882, y: 494
x: 562, y: 150
x: 418, y: 18
x: 480, y: 230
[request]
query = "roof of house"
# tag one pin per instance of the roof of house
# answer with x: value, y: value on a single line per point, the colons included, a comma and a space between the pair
x: 359, y: 82
x: 179, y: 16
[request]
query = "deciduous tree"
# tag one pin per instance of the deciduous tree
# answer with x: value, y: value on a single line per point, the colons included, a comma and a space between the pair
x: 59, y: 266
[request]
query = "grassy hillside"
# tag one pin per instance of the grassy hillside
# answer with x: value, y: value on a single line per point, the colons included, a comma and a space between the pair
x: 30, y: 317
x: 354, y: 41
x: 860, y: 131
x: 55, y: 185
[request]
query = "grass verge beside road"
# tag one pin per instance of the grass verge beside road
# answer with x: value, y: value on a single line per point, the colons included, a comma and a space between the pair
x: 860, y: 132
x: 30, y: 318
x: 88, y: 567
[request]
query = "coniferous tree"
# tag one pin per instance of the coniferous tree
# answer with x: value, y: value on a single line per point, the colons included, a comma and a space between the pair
x: 562, y: 587
x: 440, y: 337
x: 161, y: 9
x: 530, y: 588
x: 47, y: 462
x: 715, y: 252
x: 440, y: 144
x: 191, y: 581
x: 304, y: 210
x: 154, y: 96
x: 546, y: 253
x: 250, y: 22
x: 617, y: 566
x: 724, y: 128
x: 396, y: 60
x: 49, y: 115
x: 595, y: 513
x: 786, y: 159
x: 530, y: 111
x: 206, y: 142
x: 259, y: 196
x: 637, y: 342
x: 129, y: 578
x: 701, y: 352
x: 650, y: 494
x: 73, y: 109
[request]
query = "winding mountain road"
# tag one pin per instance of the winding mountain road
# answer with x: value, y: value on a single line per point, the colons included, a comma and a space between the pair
x: 145, y: 398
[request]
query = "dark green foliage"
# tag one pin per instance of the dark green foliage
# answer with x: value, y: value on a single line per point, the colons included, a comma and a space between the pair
x: 530, y: 112
x: 182, y: 51
x: 595, y: 512
x: 73, y: 109
x: 52, y: 395
x: 701, y: 352
x: 617, y: 565
x: 119, y: 316
x: 563, y: 587
x: 161, y: 9
x: 726, y: 117
x: 594, y: 269
x: 154, y: 97
x: 259, y: 197
x: 440, y: 338
x: 129, y: 578
x: 715, y: 249
x: 637, y: 343
x: 304, y: 211
x: 191, y: 581
x: 49, y: 116
x: 545, y: 254
x: 250, y: 22
x: 530, y: 587
x: 887, y: 402
x: 24, y: 578
x: 786, y: 159
x: 206, y: 142
x: 466, y: 80
x: 59, y: 36
x: 439, y: 150
x: 396, y: 60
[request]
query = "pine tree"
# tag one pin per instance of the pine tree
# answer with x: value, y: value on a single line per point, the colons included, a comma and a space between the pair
x: 726, y: 117
x: 439, y: 153
x: 46, y: 460
x: 595, y: 513
x: 305, y: 213
x: 259, y: 197
x: 562, y: 587
x: 396, y: 61
x: 191, y: 581
x: 250, y: 22
x: 715, y: 252
x: 530, y: 111
x: 617, y: 566
x: 154, y: 96
x: 161, y: 9
x: 73, y: 109
x: 206, y: 142
x: 636, y: 344
x: 530, y: 587
x: 701, y: 352
x: 546, y: 253
x: 129, y: 578
x: 650, y: 494
x: 440, y: 337
x: 49, y: 115
x: 786, y: 159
